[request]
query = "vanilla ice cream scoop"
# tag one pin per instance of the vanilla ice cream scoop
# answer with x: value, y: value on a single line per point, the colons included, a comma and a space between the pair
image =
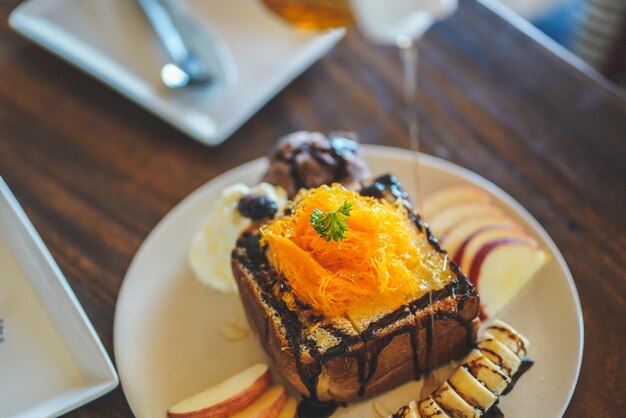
x: 209, y: 254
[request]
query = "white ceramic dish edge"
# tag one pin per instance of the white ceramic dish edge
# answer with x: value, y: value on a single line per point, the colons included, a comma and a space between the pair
x: 86, y: 344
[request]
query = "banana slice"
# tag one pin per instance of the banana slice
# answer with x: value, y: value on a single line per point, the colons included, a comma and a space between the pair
x: 407, y: 411
x: 453, y: 404
x: 508, y: 336
x: 476, y: 386
x: 487, y: 372
x: 471, y: 390
x: 497, y: 352
x: 429, y: 408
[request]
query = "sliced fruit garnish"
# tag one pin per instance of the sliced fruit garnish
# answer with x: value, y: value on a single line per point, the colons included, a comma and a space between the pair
x: 467, y: 252
x: 444, y: 220
x: 502, y: 268
x: 451, y: 196
x: 269, y: 405
x: 468, y: 227
x: 227, y: 397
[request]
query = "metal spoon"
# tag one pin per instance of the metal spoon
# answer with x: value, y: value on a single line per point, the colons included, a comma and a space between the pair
x: 197, y: 56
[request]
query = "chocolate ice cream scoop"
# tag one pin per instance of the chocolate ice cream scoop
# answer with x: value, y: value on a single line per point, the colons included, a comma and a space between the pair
x: 309, y: 159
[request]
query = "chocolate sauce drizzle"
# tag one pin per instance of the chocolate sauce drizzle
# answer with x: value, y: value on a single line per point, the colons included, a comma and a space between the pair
x: 521, y: 347
x: 311, y: 409
x: 494, y: 412
x: 523, y: 368
x: 401, y: 412
x: 252, y: 257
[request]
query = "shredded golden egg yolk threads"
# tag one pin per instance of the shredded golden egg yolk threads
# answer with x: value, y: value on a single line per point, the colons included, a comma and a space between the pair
x: 383, y: 255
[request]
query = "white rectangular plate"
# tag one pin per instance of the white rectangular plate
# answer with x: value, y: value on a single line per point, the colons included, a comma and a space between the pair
x: 112, y: 41
x: 52, y: 360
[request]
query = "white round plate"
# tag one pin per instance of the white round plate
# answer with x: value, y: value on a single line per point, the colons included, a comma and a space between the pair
x: 169, y: 329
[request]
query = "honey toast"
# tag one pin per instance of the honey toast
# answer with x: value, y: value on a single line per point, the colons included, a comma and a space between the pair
x: 368, y: 348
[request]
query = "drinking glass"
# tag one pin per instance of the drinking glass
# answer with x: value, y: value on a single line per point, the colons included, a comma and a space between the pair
x: 391, y: 22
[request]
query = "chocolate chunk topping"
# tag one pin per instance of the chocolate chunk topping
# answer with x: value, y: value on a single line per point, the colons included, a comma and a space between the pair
x: 310, y: 159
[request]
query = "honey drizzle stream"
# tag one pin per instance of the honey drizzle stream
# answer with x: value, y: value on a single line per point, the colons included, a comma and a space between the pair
x: 409, y: 55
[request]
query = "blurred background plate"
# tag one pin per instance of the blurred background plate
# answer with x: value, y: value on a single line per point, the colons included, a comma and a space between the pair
x: 52, y: 360
x: 169, y: 328
x: 112, y: 41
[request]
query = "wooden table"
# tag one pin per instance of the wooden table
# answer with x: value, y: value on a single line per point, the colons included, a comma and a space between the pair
x: 95, y: 173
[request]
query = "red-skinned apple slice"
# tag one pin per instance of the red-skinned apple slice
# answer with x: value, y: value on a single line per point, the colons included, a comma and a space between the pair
x: 463, y: 230
x: 227, y: 397
x: 452, y: 196
x: 501, y: 268
x: 466, y: 252
x: 269, y: 405
x: 441, y: 222
x: 290, y: 408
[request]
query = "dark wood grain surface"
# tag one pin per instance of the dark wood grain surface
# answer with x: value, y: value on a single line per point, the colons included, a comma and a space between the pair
x: 95, y: 173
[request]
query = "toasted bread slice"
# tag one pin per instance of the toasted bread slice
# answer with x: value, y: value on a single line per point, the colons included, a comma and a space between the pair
x: 296, y: 340
x: 369, y: 350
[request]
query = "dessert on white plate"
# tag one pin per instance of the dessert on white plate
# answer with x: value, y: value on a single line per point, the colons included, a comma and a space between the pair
x: 198, y: 326
x: 279, y: 274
